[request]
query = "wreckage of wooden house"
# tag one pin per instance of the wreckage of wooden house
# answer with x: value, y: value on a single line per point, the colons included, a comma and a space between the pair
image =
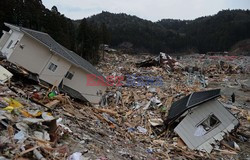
x: 202, y: 119
x: 40, y: 54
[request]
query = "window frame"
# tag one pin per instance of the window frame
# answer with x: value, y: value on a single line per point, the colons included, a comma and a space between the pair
x: 210, y: 127
x: 69, y: 75
x: 52, y: 67
x: 9, y: 45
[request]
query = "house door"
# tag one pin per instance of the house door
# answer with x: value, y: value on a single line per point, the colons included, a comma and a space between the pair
x: 8, y: 49
x: 12, y: 42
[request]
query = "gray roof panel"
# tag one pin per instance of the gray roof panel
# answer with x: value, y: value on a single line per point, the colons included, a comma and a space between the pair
x: 190, y: 101
x: 49, y: 42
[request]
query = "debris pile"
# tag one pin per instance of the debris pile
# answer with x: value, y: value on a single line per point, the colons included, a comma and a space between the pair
x: 217, y: 64
x: 38, y: 122
x: 29, y: 129
x: 155, y: 101
x: 162, y: 60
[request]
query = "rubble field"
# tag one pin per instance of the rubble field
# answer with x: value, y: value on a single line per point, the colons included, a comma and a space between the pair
x: 38, y: 122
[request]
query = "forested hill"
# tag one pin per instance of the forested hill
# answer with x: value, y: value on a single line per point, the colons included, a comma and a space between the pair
x: 83, y: 39
x: 143, y: 34
x: 33, y: 14
x: 212, y: 33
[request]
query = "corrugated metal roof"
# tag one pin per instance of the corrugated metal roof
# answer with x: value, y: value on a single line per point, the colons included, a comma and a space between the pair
x: 49, y: 42
x: 190, y: 101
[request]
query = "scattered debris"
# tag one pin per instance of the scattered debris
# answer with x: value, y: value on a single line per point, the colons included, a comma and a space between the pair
x: 162, y: 60
x: 142, y: 130
x: 39, y: 122
x: 5, y: 75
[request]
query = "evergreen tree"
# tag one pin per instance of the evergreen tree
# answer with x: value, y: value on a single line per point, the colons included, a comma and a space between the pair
x: 88, y: 41
x: 212, y: 33
x: 105, y: 37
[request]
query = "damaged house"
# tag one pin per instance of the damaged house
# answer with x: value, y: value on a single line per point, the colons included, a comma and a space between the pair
x: 56, y: 65
x: 202, y: 119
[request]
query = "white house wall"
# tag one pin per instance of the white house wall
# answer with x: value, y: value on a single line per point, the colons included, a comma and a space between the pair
x: 79, y: 83
x: 15, y: 36
x: 188, y: 125
x: 4, y: 39
x: 33, y: 56
x: 54, y: 78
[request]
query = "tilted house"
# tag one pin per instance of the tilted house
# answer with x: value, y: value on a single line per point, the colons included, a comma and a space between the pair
x: 203, y: 120
x: 39, y: 53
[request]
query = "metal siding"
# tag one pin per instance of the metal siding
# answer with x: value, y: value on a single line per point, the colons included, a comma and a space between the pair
x: 4, y: 39
x: 180, y: 130
x: 198, y: 115
x: 222, y: 114
x: 226, y: 112
x: 210, y: 134
x: 202, y: 111
x: 14, y: 37
x: 79, y: 83
x: 190, y: 123
x: 54, y: 78
x: 214, y: 108
x: 32, y: 57
x: 186, y: 127
x: 205, y: 109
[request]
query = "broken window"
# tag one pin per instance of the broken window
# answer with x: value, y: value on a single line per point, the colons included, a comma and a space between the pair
x: 211, y: 122
x: 207, y: 125
x: 9, y: 44
x: 52, y: 67
x: 69, y: 75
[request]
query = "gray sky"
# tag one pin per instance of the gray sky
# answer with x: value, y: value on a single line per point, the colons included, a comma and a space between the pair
x: 147, y: 9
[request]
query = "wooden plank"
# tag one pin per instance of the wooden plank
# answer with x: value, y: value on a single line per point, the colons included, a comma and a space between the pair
x: 108, y: 111
x: 28, y: 150
x: 52, y: 103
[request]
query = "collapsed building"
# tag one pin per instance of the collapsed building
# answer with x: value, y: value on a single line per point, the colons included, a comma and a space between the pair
x: 40, y: 54
x: 203, y: 120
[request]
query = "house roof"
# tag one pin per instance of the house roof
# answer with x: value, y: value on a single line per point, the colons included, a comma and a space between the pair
x: 73, y: 93
x: 49, y: 42
x: 190, y: 101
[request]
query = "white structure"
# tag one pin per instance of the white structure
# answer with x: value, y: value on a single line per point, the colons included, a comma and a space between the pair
x: 39, y: 53
x: 5, y: 75
x: 203, y: 120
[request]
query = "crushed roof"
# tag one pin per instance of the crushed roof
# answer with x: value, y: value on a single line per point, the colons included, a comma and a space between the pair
x: 190, y: 101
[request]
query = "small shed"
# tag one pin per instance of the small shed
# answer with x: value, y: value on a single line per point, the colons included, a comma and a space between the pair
x: 203, y: 120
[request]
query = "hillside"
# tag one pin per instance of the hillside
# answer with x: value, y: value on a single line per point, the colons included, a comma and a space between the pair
x: 143, y: 34
x: 241, y: 48
x: 33, y: 14
x: 218, y: 32
x: 212, y: 33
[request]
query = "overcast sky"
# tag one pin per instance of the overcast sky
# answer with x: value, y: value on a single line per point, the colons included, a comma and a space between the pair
x: 147, y: 9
